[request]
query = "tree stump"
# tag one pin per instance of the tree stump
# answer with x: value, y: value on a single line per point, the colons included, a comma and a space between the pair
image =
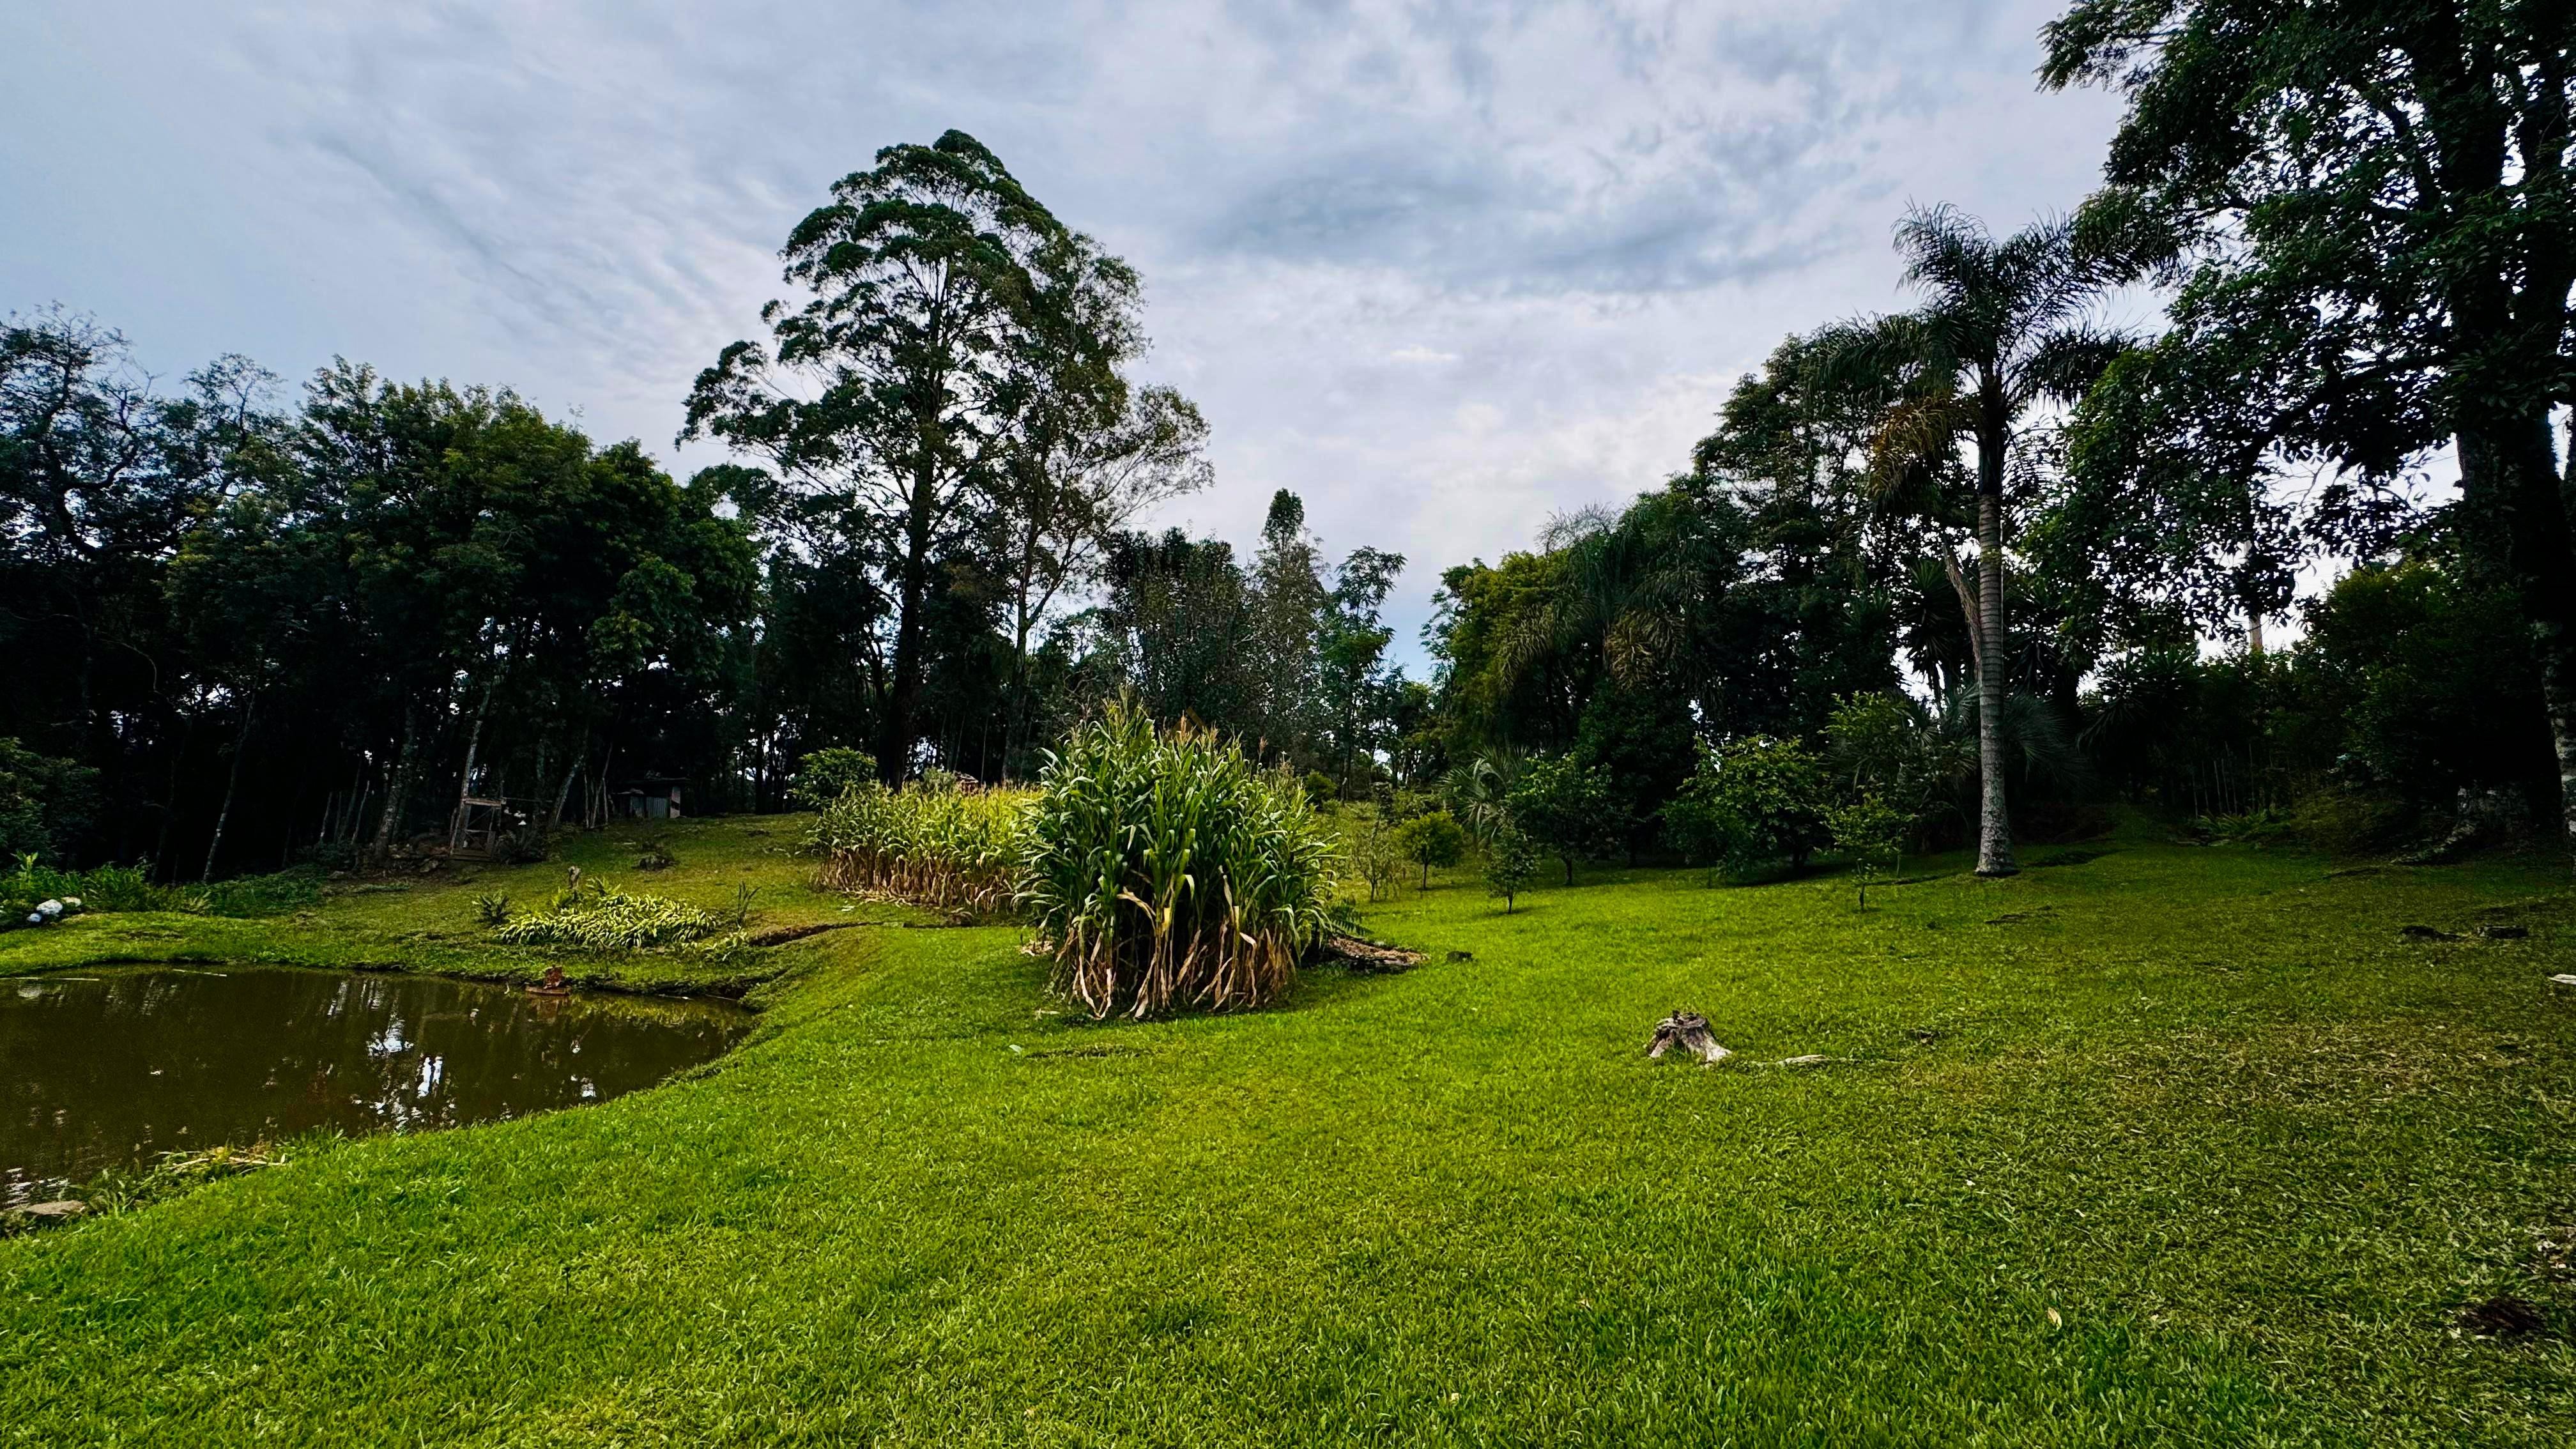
x: 1687, y: 1030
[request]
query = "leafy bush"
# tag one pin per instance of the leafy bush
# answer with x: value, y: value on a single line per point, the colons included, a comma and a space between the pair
x: 1435, y: 839
x: 115, y: 888
x: 826, y: 775
x: 130, y: 888
x: 492, y: 908
x: 1888, y: 748
x: 1568, y: 810
x: 950, y: 849
x: 2344, y: 821
x: 1164, y: 869
x: 1759, y: 801
x: 1511, y: 863
x: 44, y: 802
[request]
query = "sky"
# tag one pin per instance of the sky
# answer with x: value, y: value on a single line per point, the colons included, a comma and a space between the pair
x: 1445, y: 270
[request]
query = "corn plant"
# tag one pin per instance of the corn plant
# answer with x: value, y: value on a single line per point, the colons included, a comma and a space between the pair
x: 1164, y: 869
x: 934, y: 843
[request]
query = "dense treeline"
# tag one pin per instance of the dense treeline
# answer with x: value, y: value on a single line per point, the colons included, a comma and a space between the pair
x: 247, y: 629
x: 1972, y: 568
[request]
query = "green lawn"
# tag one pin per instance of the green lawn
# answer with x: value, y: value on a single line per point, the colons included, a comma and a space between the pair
x: 2164, y: 1145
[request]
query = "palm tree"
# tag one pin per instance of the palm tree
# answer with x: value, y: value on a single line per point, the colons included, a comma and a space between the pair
x: 2000, y: 332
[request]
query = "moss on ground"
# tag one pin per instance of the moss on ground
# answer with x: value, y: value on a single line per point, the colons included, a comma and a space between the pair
x: 2164, y: 1144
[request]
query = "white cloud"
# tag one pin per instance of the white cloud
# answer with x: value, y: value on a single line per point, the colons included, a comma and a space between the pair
x: 1444, y: 269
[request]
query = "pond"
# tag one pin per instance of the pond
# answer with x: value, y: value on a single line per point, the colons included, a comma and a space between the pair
x: 112, y: 1067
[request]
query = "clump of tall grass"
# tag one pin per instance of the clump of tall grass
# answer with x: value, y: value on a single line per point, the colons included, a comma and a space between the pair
x: 606, y: 919
x: 936, y: 843
x: 1163, y: 869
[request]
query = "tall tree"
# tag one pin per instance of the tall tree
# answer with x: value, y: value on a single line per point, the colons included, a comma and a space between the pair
x: 2000, y: 332
x: 1179, y: 628
x: 1289, y: 603
x: 1356, y: 689
x: 1088, y: 464
x: 894, y: 386
x: 2381, y: 195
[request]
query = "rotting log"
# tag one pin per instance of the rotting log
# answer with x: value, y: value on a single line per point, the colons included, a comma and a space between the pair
x: 1361, y: 955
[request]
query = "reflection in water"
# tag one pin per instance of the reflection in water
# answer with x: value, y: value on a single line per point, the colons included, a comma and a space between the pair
x: 111, y: 1068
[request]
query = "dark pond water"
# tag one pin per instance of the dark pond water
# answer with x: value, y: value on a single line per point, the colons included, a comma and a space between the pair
x: 113, y: 1067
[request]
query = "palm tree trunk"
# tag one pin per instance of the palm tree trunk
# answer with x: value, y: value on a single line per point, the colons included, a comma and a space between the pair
x: 1994, y: 820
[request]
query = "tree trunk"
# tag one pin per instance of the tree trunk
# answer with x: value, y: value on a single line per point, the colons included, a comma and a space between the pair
x: 1994, y: 820
x: 465, y: 777
x: 915, y: 587
x: 555, y: 821
x: 232, y: 784
x: 2509, y: 479
x: 398, y: 785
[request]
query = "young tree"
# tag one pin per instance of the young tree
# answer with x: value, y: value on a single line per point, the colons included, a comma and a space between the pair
x: 2371, y: 202
x: 933, y: 323
x: 1377, y: 846
x: 1511, y: 863
x: 2000, y: 332
x: 1432, y: 839
x: 1760, y: 800
x: 1871, y: 836
x: 1567, y: 809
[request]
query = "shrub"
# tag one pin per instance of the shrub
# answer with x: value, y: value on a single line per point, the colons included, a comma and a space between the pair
x: 826, y: 775
x: 130, y: 888
x: 1436, y: 839
x: 45, y: 803
x: 949, y: 849
x: 492, y: 908
x: 1511, y: 862
x: 1164, y: 869
x: 1567, y: 809
x: 2345, y: 821
x: 1320, y: 788
x: 1479, y: 795
x: 1886, y: 747
x: 1760, y: 800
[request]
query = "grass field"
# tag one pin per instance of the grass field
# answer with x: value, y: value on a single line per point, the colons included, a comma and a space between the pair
x: 2155, y: 1144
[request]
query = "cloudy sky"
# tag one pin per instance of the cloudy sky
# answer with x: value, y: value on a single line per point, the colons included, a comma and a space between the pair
x: 1444, y: 269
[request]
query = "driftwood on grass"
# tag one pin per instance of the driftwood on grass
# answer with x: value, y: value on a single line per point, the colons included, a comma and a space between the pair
x: 1361, y: 955
x: 1687, y: 1030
